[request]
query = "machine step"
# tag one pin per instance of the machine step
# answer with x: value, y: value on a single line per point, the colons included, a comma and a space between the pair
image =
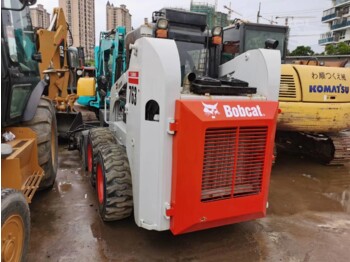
x: 31, y: 185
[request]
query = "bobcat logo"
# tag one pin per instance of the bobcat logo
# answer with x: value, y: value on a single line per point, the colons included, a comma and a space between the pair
x: 210, y: 110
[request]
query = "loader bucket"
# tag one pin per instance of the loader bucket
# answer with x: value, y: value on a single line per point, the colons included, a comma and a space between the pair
x: 67, y: 122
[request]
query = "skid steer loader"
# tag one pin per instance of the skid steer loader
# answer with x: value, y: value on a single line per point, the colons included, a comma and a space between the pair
x: 28, y: 129
x: 189, y: 143
x: 314, y: 96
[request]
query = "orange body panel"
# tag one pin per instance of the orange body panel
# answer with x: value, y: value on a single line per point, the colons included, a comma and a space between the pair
x: 222, y: 157
x: 21, y: 169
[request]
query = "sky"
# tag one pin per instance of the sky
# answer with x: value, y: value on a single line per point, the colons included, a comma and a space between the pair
x: 305, y: 27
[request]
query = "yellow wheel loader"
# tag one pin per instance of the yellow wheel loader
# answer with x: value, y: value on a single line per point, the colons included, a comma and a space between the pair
x: 314, y: 95
x: 60, y: 64
x: 28, y: 129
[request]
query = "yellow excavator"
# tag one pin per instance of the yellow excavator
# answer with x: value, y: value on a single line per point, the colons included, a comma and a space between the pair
x: 315, y: 105
x: 314, y: 95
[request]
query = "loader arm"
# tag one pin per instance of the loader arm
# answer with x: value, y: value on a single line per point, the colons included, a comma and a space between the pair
x: 52, y: 44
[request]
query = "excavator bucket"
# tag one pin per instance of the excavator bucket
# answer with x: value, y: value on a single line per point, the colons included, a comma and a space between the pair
x: 68, y: 122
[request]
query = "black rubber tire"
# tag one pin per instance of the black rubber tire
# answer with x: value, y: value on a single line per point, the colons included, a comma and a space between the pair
x: 82, y: 151
x: 274, y: 154
x: 44, y: 124
x: 97, y: 137
x: 13, y: 203
x: 117, y: 200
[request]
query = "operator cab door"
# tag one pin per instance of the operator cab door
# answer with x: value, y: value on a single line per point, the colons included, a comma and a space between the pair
x: 19, y: 72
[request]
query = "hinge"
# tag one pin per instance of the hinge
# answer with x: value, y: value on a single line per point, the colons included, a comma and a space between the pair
x: 172, y: 126
x: 169, y: 211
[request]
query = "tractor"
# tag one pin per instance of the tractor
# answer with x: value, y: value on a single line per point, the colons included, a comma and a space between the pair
x: 28, y: 128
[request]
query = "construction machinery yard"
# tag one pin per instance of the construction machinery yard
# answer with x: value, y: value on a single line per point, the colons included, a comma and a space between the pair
x: 167, y: 147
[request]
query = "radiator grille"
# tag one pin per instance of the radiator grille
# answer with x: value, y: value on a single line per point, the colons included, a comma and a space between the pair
x: 233, y: 162
x: 287, y: 87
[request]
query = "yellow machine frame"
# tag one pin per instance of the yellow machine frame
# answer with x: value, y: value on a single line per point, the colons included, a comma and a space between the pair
x: 312, y: 107
x: 52, y: 44
x: 21, y: 170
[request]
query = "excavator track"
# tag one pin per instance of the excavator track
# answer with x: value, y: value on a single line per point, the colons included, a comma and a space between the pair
x: 341, y: 143
x: 329, y: 148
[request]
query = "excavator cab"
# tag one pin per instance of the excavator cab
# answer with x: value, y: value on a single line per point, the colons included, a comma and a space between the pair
x: 110, y: 64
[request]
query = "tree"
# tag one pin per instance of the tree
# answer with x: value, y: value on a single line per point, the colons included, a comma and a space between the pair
x: 330, y: 49
x: 338, y: 49
x: 302, y: 51
x: 90, y: 62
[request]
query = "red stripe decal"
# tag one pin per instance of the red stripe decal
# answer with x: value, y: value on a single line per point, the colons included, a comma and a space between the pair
x: 134, y: 81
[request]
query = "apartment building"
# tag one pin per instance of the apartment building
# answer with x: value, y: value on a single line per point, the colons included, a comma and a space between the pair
x: 338, y: 19
x: 214, y: 18
x: 40, y: 17
x: 117, y: 16
x: 80, y: 15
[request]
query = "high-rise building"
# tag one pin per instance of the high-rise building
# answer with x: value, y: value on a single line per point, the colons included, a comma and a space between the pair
x: 214, y: 18
x: 338, y: 19
x: 117, y: 16
x: 40, y: 17
x: 80, y: 15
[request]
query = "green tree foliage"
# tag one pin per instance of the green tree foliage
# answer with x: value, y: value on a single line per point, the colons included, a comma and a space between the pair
x: 90, y: 62
x: 302, y: 51
x: 338, y: 49
x: 330, y: 49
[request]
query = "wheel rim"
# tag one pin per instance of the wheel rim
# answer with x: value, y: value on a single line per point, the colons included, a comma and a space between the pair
x: 89, y: 157
x: 100, y: 184
x: 12, y: 236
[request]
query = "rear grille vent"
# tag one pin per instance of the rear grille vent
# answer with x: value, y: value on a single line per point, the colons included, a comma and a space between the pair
x: 218, y: 164
x: 287, y: 87
x: 250, y: 161
x: 233, y: 162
